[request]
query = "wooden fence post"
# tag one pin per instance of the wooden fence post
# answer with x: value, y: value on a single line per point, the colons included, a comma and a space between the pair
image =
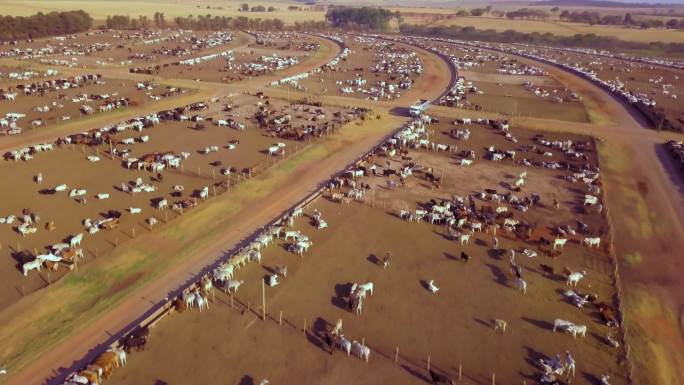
x: 263, y: 300
x: 280, y: 318
x: 493, y: 379
x: 396, y: 355
x: 304, y: 327
x: 459, y: 371
x: 428, y: 363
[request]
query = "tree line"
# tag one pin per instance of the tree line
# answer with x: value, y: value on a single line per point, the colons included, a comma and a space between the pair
x: 43, y: 24
x: 362, y: 18
x: 580, y: 40
x: 593, y: 18
x: 201, y: 22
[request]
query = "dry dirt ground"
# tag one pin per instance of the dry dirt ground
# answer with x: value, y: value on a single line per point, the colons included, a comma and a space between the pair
x: 357, y: 65
x: 107, y: 175
x: 448, y: 326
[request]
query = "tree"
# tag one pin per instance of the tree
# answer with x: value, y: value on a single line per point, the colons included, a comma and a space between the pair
x: 258, y: 8
x: 477, y: 11
x: 628, y: 19
x: 244, y: 7
x: 672, y: 23
x: 364, y: 18
x: 462, y: 12
x: 555, y: 9
x: 565, y: 14
x: 271, y: 8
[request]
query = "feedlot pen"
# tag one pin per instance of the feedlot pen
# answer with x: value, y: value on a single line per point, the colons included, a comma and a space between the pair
x: 406, y: 326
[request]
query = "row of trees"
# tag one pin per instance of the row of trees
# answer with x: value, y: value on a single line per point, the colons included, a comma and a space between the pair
x: 244, y: 7
x: 627, y: 20
x: 201, y: 22
x: 43, y: 24
x: 510, y: 36
x: 363, y: 18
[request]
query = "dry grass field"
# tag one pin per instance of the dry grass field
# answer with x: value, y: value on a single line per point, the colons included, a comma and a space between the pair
x: 100, y: 9
x: 552, y: 26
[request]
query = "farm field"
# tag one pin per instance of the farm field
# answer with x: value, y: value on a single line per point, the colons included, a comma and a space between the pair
x: 554, y: 27
x: 59, y: 104
x: 458, y: 318
x: 503, y: 84
x: 100, y: 9
x: 647, y: 82
x: 371, y: 69
x: 484, y: 212
x: 217, y: 158
x: 245, y: 63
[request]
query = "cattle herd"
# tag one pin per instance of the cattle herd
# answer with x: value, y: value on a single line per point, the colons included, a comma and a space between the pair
x: 457, y: 234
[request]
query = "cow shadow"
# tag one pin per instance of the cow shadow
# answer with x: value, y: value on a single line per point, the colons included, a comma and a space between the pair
x: 340, y: 298
x: 591, y: 378
x: 495, y: 253
x: 538, y: 323
x: 533, y: 357
x: 246, y: 380
x: 451, y: 257
x: 318, y: 335
x: 483, y: 323
x: 160, y: 382
x: 499, y: 276
x: 372, y: 258
x: 416, y: 373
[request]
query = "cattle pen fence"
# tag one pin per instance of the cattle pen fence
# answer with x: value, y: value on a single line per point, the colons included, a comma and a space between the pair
x: 617, y: 283
x: 163, y: 308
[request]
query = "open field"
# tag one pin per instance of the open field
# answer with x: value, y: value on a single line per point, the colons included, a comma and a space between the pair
x: 99, y: 10
x: 554, y: 27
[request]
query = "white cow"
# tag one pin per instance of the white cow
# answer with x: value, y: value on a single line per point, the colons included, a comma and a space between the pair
x: 432, y: 287
x: 561, y: 324
x: 134, y: 210
x: 233, y: 284
x: 521, y: 285
x: 575, y: 277
x: 362, y: 351
x: 76, y: 240
x: 466, y: 162
x: 559, y: 243
x: 590, y: 200
x: 464, y: 238
x: 590, y: 242
x: 576, y: 330
x: 31, y: 265
x: 344, y: 344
